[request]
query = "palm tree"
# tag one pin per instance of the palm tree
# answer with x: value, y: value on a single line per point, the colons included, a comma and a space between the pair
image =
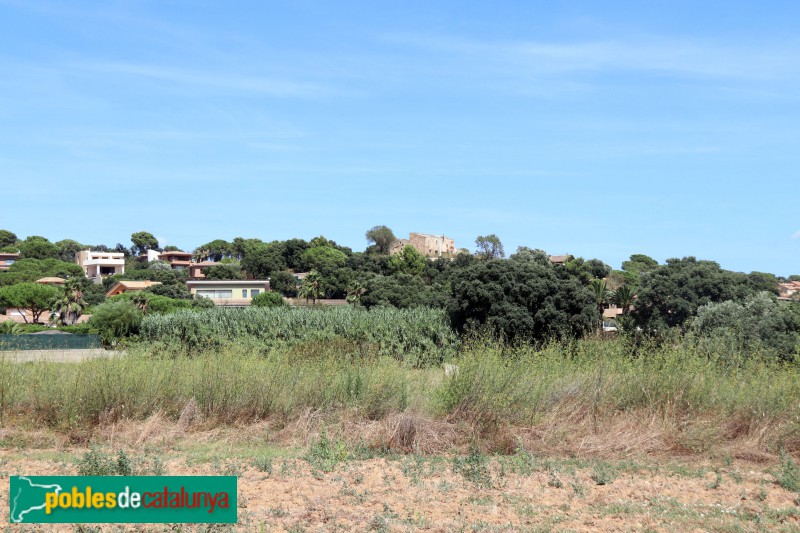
x: 354, y: 294
x: 600, y: 297
x: 310, y: 287
x: 624, y: 298
x: 141, y: 301
x: 69, y: 307
x: 10, y: 327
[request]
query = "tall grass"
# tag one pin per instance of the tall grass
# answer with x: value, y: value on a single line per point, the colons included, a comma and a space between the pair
x: 418, y: 336
x: 582, y: 386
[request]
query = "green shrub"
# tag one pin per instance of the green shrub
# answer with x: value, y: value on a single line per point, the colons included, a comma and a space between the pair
x: 268, y: 299
x: 116, y: 320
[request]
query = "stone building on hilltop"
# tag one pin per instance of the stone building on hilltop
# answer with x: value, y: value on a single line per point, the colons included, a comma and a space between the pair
x: 431, y: 246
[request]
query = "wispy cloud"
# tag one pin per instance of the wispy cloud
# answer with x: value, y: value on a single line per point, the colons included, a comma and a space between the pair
x: 655, y: 54
x: 220, y: 80
x: 795, y: 235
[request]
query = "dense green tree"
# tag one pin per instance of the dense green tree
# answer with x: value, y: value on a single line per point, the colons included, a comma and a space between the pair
x: 68, y: 249
x: 759, y: 324
x: 7, y: 238
x: 213, y: 251
x: 402, y: 291
x: 33, y: 296
x: 285, y: 283
x: 293, y: 250
x: 524, y: 253
x: 262, y: 260
x: 171, y: 248
x: 240, y: 247
x: 598, y: 269
x: 223, y: 272
x: 763, y: 281
x: 408, y: 261
x: 324, y: 258
x: 36, y: 247
x: 489, y: 247
x: 33, y: 269
x: 637, y: 266
x: 381, y: 238
x: 672, y: 293
x: 520, y: 300
x: 142, y: 242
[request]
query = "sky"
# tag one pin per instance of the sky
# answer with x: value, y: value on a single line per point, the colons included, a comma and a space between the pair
x: 600, y: 129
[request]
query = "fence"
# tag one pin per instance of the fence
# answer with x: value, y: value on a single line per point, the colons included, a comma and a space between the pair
x: 49, y: 342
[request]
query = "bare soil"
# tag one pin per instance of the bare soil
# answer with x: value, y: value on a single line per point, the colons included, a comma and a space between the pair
x: 286, y: 488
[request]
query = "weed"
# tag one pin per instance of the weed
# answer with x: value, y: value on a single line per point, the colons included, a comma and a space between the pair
x: 715, y: 484
x: 578, y: 488
x: 553, y: 481
x: 324, y: 455
x: 263, y: 464
x: 278, y: 512
x: 789, y: 475
x: 474, y: 467
x: 603, y: 474
x: 96, y: 463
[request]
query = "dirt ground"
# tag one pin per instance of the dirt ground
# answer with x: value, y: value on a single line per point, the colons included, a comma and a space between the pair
x: 323, y: 488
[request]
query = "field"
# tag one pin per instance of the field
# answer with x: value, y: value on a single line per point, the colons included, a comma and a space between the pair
x: 351, y: 425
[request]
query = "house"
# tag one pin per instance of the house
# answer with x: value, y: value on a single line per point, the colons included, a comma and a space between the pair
x: 196, y: 269
x: 177, y: 260
x: 130, y: 286
x: 97, y: 265
x: 7, y: 259
x: 431, y: 246
x: 229, y: 293
x: 789, y: 290
x: 51, y: 281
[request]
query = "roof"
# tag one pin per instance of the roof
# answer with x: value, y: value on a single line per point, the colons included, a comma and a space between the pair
x: 131, y: 286
x: 559, y: 258
x: 176, y: 252
x: 226, y: 281
x: 51, y: 281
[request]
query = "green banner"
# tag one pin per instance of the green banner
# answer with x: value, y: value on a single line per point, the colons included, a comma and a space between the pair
x: 122, y: 499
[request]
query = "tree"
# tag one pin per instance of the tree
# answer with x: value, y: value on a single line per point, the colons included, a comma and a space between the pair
x: 7, y: 238
x: 293, y: 250
x: 268, y: 299
x: 623, y: 298
x: 35, y: 297
x: 310, y: 287
x: 520, y: 300
x: 262, y: 260
x: 759, y: 324
x: 224, y: 272
x: 36, y: 247
x: 489, y: 247
x: 354, y: 293
x: 68, y: 249
x: 69, y: 305
x: 213, y: 251
x: 324, y: 258
x: 382, y: 238
x: 600, y: 298
x: 142, y: 242
x: 636, y: 267
x: 32, y: 269
x: 524, y: 253
x: 408, y: 261
x: 284, y: 282
x: 115, y: 320
x: 672, y: 293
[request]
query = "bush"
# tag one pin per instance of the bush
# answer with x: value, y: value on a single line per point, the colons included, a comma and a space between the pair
x: 116, y: 320
x: 268, y: 299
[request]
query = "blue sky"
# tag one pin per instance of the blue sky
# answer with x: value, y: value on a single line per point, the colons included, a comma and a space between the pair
x: 599, y: 129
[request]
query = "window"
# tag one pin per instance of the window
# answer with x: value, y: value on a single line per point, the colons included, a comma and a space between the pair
x: 215, y: 294
x: 244, y: 293
x: 254, y: 293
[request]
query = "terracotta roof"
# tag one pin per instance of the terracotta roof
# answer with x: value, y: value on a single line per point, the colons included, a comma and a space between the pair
x: 51, y: 281
x: 132, y: 286
x: 559, y: 258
